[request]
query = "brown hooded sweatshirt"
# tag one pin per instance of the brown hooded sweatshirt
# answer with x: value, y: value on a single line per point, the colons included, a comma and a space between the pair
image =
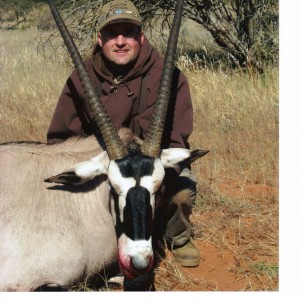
x: 129, y: 102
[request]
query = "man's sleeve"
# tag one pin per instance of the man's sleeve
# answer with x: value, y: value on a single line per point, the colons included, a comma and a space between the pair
x: 65, y: 121
x: 182, y: 125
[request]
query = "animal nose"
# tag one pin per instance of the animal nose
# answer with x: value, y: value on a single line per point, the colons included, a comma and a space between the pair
x: 142, y: 263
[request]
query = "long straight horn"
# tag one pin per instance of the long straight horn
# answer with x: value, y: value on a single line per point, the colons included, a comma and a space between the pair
x: 114, y: 145
x: 152, y: 143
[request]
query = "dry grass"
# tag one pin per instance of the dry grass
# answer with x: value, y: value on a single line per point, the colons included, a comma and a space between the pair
x: 171, y: 278
x: 30, y: 86
x: 236, y: 118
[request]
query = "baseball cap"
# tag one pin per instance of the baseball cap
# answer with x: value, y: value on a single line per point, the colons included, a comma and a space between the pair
x: 119, y: 11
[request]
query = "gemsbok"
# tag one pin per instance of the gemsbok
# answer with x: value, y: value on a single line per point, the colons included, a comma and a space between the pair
x: 99, y: 209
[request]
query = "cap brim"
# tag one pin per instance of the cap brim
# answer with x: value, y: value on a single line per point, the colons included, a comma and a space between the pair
x: 122, y: 20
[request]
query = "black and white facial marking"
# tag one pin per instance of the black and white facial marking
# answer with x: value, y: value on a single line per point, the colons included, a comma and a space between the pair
x: 135, y: 180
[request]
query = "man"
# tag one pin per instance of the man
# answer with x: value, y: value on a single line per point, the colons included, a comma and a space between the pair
x: 125, y: 69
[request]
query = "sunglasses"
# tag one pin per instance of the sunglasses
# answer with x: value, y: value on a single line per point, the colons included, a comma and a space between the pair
x: 131, y: 34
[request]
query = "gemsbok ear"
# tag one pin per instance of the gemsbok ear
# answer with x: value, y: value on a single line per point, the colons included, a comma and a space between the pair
x: 178, y: 158
x: 83, y: 171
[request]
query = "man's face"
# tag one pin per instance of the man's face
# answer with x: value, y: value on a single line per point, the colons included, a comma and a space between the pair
x: 121, y: 42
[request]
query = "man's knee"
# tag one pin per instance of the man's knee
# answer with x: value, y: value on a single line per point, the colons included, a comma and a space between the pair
x: 185, y: 188
x: 184, y: 196
x: 179, y: 190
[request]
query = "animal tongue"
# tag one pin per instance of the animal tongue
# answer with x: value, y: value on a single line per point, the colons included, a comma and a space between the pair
x: 127, y: 273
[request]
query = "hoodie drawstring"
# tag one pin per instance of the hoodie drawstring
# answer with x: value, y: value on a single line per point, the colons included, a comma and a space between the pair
x: 118, y: 81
